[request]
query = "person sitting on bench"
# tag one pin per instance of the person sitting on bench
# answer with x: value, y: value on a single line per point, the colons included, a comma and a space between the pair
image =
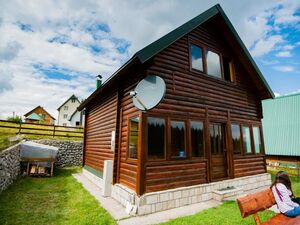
x: 283, y: 193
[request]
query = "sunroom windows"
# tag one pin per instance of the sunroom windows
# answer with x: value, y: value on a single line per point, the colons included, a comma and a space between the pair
x: 246, y: 139
x: 211, y: 63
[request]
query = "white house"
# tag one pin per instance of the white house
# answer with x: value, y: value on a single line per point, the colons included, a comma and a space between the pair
x: 68, y: 115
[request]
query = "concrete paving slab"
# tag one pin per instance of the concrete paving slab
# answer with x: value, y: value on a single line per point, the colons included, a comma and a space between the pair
x: 112, y: 206
x: 165, y: 216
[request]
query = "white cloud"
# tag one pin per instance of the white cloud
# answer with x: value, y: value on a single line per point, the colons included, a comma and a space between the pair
x: 288, y: 47
x: 277, y: 94
x: 266, y: 45
x: 284, y: 54
x: 284, y: 68
x: 71, y: 25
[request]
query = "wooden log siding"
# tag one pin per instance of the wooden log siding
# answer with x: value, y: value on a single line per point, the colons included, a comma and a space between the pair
x: 189, y: 93
x: 248, y: 166
x: 100, y: 122
x: 162, y: 176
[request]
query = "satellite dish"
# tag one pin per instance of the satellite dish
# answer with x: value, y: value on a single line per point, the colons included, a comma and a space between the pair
x: 149, y: 92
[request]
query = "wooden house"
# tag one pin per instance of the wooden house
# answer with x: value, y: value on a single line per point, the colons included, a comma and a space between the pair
x: 39, y: 115
x: 206, y: 129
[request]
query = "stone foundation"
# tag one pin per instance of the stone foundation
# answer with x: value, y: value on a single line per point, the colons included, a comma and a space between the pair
x: 173, y: 198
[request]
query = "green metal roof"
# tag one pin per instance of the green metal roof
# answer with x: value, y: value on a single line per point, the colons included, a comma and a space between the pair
x: 34, y: 116
x: 281, y: 125
x: 157, y: 46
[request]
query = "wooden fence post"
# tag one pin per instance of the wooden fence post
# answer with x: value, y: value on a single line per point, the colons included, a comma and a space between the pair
x: 53, y: 130
x: 20, y: 127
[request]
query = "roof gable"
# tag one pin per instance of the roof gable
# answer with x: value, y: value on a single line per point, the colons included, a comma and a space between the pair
x: 72, y: 97
x: 34, y: 116
x: 157, y: 46
x: 33, y: 110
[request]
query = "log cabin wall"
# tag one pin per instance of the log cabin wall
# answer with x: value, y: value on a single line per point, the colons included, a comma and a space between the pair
x: 197, y: 95
x: 100, y: 122
x: 127, y: 168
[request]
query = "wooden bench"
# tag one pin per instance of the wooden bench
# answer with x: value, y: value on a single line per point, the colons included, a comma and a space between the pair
x: 254, y: 203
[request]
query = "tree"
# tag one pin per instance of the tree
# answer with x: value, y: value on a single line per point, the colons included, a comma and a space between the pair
x: 15, y: 119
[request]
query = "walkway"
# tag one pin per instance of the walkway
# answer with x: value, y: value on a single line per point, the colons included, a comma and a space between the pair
x: 118, y: 211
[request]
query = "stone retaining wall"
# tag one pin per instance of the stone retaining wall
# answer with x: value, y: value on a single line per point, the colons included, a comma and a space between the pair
x: 69, y: 152
x: 9, y: 166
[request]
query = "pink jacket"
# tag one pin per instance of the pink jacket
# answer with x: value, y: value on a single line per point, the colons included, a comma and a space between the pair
x: 282, y: 198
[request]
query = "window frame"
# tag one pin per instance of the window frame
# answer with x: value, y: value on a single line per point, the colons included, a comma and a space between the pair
x: 204, y: 61
x: 128, y: 159
x: 202, y: 54
x: 165, y: 136
x: 241, y: 137
x: 190, y: 138
x: 186, y: 146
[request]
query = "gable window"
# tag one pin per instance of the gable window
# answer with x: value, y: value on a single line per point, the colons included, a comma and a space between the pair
x: 133, y: 137
x: 236, y: 138
x: 73, y: 100
x: 257, y: 140
x: 178, y: 139
x: 197, y: 139
x: 196, y: 57
x: 246, y: 139
x: 213, y: 64
x: 227, y: 69
x: 156, y: 138
x: 66, y: 107
x: 65, y: 116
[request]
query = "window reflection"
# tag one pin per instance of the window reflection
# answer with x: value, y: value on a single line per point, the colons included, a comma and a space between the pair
x: 196, y: 57
x: 178, y: 139
x: 197, y: 140
x: 257, y: 140
x: 236, y: 139
x: 213, y: 64
x: 247, y: 139
x: 156, y: 138
x: 133, y: 137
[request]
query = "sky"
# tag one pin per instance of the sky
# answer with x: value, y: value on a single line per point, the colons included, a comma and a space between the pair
x: 52, y: 49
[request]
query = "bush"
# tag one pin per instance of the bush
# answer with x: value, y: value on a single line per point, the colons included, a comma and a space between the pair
x: 15, y: 119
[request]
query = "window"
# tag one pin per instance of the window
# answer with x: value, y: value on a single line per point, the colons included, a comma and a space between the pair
x: 133, y: 137
x: 66, y: 107
x: 257, y: 140
x: 213, y: 64
x: 73, y: 100
x: 178, y: 139
x: 247, y: 139
x: 236, y: 139
x: 227, y: 69
x: 64, y: 124
x: 196, y: 57
x: 197, y: 140
x: 216, y: 138
x: 65, y: 116
x: 77, y: 123
x: 156, y: 138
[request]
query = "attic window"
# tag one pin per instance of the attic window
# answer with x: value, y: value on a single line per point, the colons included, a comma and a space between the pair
x: 73, y: 100
x: 213, y: 64
x: 196, y: 57
x: 227, y: 69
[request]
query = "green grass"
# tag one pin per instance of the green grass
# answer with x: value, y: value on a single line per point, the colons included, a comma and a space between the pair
x: 228, y: 213
x: 4, y: 141
x: 225, y: 214
x: 51, y: 201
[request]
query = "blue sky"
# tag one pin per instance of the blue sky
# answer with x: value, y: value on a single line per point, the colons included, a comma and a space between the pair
x: 52, y: 49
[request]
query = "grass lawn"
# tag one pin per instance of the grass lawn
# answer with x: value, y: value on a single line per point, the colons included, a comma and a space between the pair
x: 227, y: 213
x: 57, y: 200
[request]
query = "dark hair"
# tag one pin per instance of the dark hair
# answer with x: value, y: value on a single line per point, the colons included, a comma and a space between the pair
x: 283, y: 178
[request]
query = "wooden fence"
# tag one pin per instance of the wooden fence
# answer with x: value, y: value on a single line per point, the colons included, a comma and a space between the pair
x: 40, y: 129
x: 292, y: 167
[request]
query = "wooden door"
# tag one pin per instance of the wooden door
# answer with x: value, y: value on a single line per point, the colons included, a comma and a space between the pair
x: 218, y: 151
